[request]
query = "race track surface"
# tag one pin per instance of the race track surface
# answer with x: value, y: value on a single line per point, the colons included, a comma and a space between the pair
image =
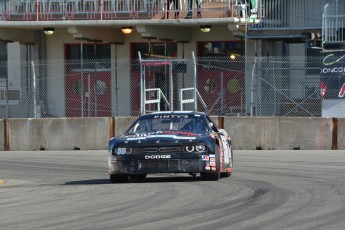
x: 268, y: 190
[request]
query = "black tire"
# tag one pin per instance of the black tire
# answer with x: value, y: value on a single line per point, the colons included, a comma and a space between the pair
x: 119, y: 178
x: 138, y: 176
x: 214, y: 175
x: 225, y: 174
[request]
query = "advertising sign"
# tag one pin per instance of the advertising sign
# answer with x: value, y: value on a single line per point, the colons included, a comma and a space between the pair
x: 332, y: 84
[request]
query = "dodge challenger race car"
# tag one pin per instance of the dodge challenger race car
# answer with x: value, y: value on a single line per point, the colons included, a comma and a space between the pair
x: 171, y: 142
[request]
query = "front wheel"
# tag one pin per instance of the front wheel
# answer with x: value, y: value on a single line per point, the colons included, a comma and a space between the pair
x: 214, y: 175
x: 122, y: 178
x: 225, y: 174
x: 138, y: 176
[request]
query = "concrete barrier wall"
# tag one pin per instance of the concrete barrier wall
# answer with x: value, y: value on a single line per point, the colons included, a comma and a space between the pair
x: 2, y: 135
x: 58, y: 133
x: 341, y: 133
x: 247, y: 133
x: 279, y: 133
x: 122, y: 124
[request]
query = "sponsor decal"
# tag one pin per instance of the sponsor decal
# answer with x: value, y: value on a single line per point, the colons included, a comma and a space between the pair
x: 176, y: 132
x: 213, y: 169
x: 145, y: 136
x: 212, y: 155
x: 205, y: 158
x: 212, y: 161
x: 157, y: 157
x: 157, y: 136
x: 207, y: 168
x: 167, y: 116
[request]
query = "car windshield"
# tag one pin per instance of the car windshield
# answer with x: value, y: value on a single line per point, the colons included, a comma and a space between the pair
x: 170, y: 122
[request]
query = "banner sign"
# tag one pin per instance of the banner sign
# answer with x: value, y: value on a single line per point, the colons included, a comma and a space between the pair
x: 332, y: 84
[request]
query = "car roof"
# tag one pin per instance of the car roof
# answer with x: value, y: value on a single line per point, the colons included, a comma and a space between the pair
x: 175, y: 112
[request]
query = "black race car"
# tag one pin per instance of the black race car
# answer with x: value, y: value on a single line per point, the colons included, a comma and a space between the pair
x: 171, y: 142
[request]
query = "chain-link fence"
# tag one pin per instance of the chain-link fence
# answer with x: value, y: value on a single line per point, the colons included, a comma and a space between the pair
x: 255, y: 86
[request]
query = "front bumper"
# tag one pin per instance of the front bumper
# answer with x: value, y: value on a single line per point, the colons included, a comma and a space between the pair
x: 175, y: 164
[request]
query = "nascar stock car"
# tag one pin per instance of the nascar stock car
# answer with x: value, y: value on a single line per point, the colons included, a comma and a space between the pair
x: 171, y: 142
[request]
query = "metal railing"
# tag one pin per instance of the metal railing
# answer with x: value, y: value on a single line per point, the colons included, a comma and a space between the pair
x: 43, y: 10
x: 155, y: 96
x: 333, y: 28
x: 184, y: 100
x: 290, y: 14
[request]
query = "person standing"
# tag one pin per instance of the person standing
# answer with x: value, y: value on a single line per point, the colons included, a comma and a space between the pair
x: 176, y: 14
x: 190, y: 9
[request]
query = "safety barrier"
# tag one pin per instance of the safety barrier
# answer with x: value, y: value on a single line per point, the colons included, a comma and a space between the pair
x: 261, y: 133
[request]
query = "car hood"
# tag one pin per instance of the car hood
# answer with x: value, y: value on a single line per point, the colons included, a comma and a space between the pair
x: 163, y: 136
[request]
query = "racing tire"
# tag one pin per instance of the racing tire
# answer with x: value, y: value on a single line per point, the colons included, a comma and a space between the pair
x: 214, y: 175
x: 138, y: 176
x: 122, y: 178
x: 225, y: 174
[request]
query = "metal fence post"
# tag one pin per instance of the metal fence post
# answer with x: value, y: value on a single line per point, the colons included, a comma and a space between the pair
x: 34, y: 88
x: 194, y: 83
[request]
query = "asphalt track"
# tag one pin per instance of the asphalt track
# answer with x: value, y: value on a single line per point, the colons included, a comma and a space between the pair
x: 268, y: 190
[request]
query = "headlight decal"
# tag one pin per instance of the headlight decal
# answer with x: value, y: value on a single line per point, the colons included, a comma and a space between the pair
x: 200, y: 148
x: 123, y: 151
x: 195, y: 148
x: 189, y: 148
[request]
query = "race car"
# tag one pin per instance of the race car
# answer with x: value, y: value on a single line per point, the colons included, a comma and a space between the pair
x: 171, y: 142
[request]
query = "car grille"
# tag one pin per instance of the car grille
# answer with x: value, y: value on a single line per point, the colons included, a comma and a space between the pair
x: 158, y: 164
x: 174, y: 149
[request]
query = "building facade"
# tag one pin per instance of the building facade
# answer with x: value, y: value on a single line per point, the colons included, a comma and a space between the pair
x: 66, y: 58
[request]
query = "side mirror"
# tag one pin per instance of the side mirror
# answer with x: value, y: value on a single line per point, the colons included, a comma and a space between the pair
x: 223, y: 132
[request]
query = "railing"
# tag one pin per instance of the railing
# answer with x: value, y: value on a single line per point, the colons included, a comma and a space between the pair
x: 43, y: 10
x: 333, y: 27
x: 289, y: 14
x: 158, y: 93
x: 194, y: 92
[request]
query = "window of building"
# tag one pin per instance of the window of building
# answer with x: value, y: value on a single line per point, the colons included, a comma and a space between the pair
x: 96, y: 57
x: 231, y: 49
x: 154, y: 50
x: 3, y: 61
